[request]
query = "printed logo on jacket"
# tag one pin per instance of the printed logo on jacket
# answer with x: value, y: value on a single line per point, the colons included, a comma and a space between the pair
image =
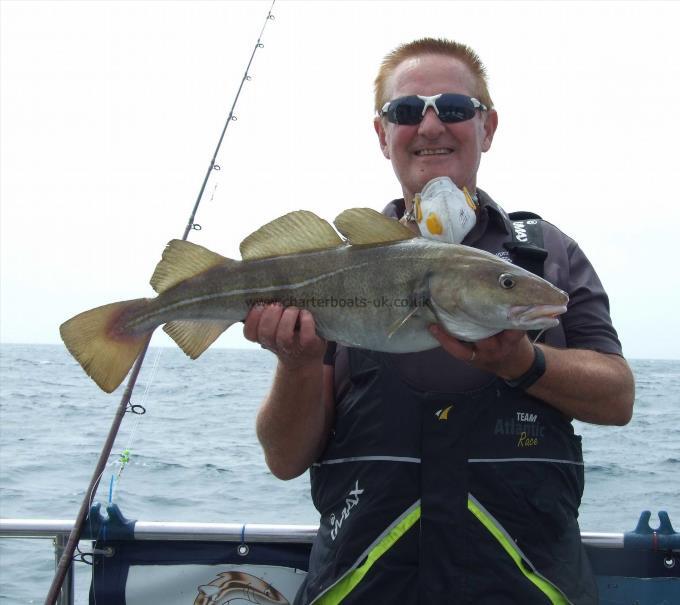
x: 351, y: 501
x: 524, y: 427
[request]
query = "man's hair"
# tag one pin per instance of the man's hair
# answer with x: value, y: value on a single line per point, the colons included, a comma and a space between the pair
x: 432, y: 46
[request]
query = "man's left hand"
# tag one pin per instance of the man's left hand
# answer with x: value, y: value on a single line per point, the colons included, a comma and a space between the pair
x: 508, y: 354
x: 583, y: 384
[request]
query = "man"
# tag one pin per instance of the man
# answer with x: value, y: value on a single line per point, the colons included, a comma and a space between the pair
x: 453, y: 475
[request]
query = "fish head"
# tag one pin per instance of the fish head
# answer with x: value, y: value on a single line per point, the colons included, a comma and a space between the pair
x: 484, y: 295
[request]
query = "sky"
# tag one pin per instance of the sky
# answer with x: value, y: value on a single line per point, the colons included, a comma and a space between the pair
x: 110, y: 113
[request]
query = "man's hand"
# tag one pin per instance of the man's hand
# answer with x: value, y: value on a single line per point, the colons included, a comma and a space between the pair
x: 583, y: 384
x: 288, y: 332
x: 508, y: 354
x: 296, y: 416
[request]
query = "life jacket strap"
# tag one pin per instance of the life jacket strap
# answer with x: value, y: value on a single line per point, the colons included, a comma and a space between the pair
x: 554, y: 595
x: 348, y: 582
x: 526, y: 246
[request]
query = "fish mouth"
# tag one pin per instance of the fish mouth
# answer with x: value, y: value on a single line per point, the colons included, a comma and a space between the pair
x: 531, y: 316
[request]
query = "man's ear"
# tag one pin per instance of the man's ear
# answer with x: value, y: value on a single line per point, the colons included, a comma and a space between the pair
x: 490, y: 125
x: 380, y: 131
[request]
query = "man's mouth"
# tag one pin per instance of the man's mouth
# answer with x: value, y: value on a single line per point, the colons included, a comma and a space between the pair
x: 435, y: 151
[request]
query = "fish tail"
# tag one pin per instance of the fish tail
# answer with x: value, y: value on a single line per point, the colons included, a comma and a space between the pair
x: 102, y: 344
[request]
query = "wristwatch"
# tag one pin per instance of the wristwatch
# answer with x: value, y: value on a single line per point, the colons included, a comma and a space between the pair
x: 536, y: 370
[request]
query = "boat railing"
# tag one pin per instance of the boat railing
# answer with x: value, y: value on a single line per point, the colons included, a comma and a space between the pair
x: 219, y: 532
x: 243, y: 534
x: 58, y: 531
x: 170, y: 530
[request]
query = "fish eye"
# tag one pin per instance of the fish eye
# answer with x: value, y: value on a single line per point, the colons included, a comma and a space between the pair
x: 506, y: 281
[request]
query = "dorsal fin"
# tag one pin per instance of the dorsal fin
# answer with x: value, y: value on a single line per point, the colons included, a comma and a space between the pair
x: 182, y: 260
x: 299, y: 231
x: 363, y: 226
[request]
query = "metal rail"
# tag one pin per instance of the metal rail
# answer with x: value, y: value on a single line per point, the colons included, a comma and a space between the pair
x: 220, y: 532
x: 59, y: 530
x: 170, y: 530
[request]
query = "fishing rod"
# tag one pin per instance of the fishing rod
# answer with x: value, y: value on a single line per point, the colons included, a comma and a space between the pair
x: 124, y: 406
x: 231, y: 117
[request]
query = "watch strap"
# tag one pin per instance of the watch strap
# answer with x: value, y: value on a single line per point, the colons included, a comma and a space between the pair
x: 535, y: 371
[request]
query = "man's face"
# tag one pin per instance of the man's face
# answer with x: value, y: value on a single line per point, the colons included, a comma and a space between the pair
x: 432, y: 148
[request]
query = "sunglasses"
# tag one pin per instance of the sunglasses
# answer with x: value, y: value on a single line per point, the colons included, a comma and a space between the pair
x: 449, y: 107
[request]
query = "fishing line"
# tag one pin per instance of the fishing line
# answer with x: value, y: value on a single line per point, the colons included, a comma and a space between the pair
x: 67, y: 554
x: 124, y: 457
x: 212, y: 195
x: 88, y: 558
x: 535, y: 340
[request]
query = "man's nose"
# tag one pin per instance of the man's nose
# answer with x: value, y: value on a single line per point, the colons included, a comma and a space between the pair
x: 431, y: 125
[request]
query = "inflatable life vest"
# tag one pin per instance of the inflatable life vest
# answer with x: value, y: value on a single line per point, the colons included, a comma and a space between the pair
x: 440, y: 496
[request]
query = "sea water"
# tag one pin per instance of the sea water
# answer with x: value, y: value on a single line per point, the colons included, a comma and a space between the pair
x: 193, y: 456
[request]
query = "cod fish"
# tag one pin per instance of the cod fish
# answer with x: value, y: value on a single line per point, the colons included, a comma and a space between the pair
x: 378, y: 288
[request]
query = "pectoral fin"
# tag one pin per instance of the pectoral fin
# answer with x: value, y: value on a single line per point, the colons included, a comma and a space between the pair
x: 394, y: 328
x: 421, y: 299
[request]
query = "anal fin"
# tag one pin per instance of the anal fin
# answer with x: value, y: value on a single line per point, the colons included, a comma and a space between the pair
x: 195, y: 336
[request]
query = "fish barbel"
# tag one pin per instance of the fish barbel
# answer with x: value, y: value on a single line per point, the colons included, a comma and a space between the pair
x: 379, y: 288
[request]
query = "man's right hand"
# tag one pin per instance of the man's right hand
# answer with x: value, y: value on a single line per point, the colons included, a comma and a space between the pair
x: 296, y: 416
x: 288, y: 332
